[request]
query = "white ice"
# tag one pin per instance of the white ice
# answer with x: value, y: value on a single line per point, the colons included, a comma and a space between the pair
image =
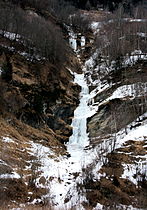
x: 81, y: 114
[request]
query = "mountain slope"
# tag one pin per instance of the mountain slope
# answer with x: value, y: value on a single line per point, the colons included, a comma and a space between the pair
x: 50, y: 155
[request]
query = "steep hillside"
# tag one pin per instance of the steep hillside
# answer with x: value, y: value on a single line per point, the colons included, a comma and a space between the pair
x: 117, y: 77
x: 73, y: 112
x: 37, y: 97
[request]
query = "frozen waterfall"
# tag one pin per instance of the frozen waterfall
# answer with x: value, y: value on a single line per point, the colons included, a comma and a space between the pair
x: 79, y: 122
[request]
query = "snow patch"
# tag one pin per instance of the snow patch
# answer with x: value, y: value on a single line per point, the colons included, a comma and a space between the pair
x: 133, y: 90
x: 95, y: 26
x: 83, y: 41
x: 7, y: 140
x: 73, y: 40
x: 14, y: 175
x: 134, y: 57
x: 134, y: 172
x: 143, y: 35
x: 10, y: 35
x: 3, y: 162
x: 137, y: 20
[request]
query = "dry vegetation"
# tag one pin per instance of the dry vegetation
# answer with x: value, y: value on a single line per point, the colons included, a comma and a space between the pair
x: 17, y: 157
x: 111, y: 189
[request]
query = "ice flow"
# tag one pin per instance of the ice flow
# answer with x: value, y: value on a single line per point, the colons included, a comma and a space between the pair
x: 79, y: 123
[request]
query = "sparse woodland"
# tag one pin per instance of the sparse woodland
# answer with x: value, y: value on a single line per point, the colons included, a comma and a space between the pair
x: 39, y: 35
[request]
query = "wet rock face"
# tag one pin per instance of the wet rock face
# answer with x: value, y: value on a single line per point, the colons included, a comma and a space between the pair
x: 65, y: 112
x: 58, y: 125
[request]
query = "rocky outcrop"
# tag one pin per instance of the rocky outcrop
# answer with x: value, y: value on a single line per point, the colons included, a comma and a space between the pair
x: 117, y: 113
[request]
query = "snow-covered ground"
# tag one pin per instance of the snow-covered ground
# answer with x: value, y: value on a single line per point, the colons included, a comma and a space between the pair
x: 10, y: 35
x: 133, y: 90
x: 134, y: 57
x: 63, y: 174
x: 116, y: 141
x: 14, y: 175
x: 134, y: 171
x: 126, y: 91
x: 7, y: 140
x: 18, y: 38
x: 103, y: 66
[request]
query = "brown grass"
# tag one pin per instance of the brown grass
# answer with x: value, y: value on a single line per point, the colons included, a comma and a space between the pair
x: 16, y: 155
